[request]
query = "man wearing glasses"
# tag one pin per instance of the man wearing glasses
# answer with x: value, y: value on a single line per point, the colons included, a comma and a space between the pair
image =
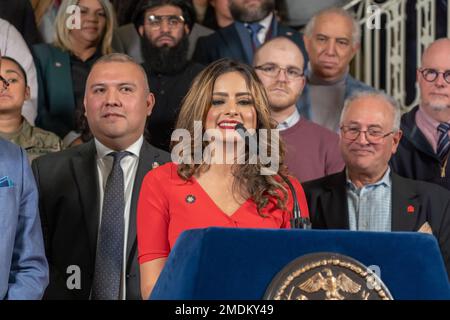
x: 367, y: 195
x: 424, y: 150
x: 164, y: 27
x: 311, y: 150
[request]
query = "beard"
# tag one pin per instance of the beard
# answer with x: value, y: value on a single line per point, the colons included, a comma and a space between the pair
x: 436, y: 106
x: 165, y: 59
x: 243, y: 14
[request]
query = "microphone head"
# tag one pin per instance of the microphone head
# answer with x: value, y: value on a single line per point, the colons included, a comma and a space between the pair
x: 240, y: 126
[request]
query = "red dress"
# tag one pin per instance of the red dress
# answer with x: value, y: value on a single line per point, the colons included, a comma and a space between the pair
x: 169, y: 205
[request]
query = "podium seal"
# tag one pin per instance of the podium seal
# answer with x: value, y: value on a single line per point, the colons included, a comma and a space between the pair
x: 326, y: 276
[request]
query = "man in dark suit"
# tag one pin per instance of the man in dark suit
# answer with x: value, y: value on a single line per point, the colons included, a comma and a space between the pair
x: 255, y: 23
x: 367, y: 196
x: 88, y: 194
x: 424, y: 151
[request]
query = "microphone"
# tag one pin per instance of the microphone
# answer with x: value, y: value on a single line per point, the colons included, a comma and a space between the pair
x: 297, y: 221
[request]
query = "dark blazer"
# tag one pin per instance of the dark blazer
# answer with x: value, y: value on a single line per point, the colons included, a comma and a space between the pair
x: 327, y: 202
x: 69, y: 208
x: 415, y: 157
x: 227, y: 43
x: 56, y: 101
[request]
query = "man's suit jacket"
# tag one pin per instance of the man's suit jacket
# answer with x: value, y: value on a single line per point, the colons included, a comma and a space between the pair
x: 23, y: 267
x: 69, y: 205
x: 413, y: 204
x: 228, y: 43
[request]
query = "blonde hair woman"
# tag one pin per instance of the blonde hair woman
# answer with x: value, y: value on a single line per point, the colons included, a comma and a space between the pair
x: 178, y: 197
x: 83, y: 33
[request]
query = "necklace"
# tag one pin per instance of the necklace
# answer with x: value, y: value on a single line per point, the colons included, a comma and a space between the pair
x: 443, y: 167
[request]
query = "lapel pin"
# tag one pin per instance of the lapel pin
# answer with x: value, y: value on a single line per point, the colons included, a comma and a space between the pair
x: 58, y: 64
x: 410, y: 209
x: 190, y: 198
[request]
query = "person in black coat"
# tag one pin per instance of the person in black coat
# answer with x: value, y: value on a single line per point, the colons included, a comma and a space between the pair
x: 73, y: 188
x: 424, y: 150
x: 367, y: 195
x: 237, y: 42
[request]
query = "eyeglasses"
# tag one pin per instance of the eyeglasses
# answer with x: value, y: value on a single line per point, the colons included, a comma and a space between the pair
x: 373, y: 135
x: 173, y: 21
x: 431, y: 75
x: 273, y: 70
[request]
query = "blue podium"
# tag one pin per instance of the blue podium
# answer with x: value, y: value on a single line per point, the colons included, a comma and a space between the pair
x: 235, y: 264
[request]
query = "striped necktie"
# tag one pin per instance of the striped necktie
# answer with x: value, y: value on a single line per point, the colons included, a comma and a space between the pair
x: 443, y: 142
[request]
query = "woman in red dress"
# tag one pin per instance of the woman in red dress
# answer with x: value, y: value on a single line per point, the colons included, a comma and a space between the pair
x: 217, y: 181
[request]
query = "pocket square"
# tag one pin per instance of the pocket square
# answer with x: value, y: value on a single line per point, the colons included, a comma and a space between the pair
x: 426, y: 228
x: 6, y: 182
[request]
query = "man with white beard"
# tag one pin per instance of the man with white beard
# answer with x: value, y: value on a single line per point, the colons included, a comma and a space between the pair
x: 424, y: 149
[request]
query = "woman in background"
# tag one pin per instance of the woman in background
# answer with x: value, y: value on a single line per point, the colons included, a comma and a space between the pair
x: 63, y: 66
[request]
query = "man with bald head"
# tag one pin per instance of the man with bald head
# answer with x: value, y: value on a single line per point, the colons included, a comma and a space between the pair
x: 424, y: 150
x: 88, y: 194
x: 332, y: 38
x: 312, y: 151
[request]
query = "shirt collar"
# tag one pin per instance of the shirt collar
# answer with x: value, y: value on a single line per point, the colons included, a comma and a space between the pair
x: 289, y: 121
x: 385, y: 180
x: 103, y: 151
x: 265, y: 23
x: 428, y: 120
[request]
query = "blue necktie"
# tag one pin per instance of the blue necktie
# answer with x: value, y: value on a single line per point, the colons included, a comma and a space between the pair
x: 109, y: 256
x: 443, y: 142
x: 254, y: 29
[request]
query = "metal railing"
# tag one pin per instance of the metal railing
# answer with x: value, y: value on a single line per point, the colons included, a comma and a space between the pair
x: 381, y: 62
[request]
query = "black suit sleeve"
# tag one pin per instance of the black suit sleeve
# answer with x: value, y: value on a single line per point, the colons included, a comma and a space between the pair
x: 312, y: 197
x: 57, y: 280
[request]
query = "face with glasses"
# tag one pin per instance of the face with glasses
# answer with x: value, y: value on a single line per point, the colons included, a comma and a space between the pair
x: 279, y: 66
x: 434, y: 81
x: 367, y: 139
x: 164, y: 26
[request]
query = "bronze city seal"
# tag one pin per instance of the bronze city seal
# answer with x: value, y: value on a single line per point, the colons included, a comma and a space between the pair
x: 326, y: 276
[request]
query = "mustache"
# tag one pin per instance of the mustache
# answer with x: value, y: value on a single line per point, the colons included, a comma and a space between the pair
x: 165, y: 35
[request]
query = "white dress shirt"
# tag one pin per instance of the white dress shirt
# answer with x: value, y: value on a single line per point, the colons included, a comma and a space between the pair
x: 265, y: 23
x: 289, y: 121
x: 129, y: 166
